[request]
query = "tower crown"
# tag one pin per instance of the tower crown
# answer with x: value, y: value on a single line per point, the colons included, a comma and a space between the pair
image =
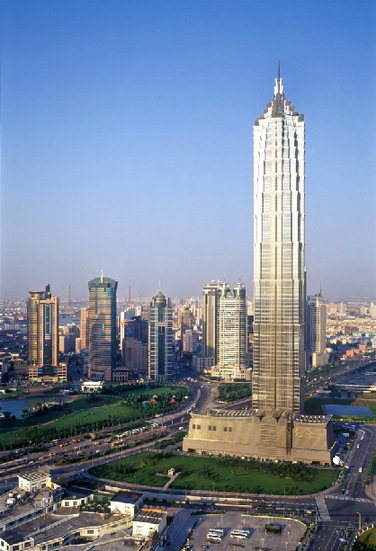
x: 278, y: 87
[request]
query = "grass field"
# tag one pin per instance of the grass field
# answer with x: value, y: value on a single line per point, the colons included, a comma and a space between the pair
x: 79, y: 416
x: 368, y: 537
x: 203, y: 473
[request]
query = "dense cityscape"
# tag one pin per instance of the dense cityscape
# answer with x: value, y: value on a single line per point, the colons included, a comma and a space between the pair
x: 175, y: 423
x: 188, y: 275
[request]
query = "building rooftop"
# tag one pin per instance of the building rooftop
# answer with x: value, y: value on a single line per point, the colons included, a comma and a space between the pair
x: 311, y: 418
x: 149, y: 515
x: 54, y: 526
x: 277, y: 414
x: 126, y: 497
x: 159, y: 294
x: 33, y: 475
x: 11, y: 537
x: 78, y: 493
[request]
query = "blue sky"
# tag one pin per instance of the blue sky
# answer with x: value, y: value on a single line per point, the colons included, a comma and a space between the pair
x: 126, y: 140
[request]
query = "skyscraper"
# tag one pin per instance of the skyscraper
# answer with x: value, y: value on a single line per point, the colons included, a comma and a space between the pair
x: 232, y: 333
x: 161, y: 338
x: 84, y: 328
x: 134, y: 346
x: 275, y: 428
x: 102, y: 328
x: 279, y: 273
x: 210, y: 303
x: 43, y: 328
x: 316, y: 331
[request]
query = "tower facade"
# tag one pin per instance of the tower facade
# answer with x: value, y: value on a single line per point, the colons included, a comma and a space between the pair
x: 232, y: 333
x: 43, y: 328
x: 161, y: 338
x: 84, y: 328
x: 210, y: 304
x: 134, y: 345
x: 316, y: 331
x: 278, y: 252
x: 102, y: 328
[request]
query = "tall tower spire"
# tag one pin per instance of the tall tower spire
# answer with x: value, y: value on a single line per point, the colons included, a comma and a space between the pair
x: 278, y: 87
x: 279, y: 277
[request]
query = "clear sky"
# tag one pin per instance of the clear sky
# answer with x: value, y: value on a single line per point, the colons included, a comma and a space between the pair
x: 126, y: 140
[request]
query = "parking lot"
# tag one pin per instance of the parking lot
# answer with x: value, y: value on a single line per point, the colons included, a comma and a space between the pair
x: 286, y: 540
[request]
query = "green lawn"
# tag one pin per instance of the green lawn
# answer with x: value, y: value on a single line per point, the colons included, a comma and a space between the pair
x: 203, y: 473
x: 79, y: 403
x: 368, y: 537
x: 229, y: 392
x: 83, y: 415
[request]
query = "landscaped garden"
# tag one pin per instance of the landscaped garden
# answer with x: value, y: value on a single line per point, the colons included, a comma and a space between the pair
x: 230, y: 392
x: 366, y: 541
x: 90, y: 414
x: 218, y: 474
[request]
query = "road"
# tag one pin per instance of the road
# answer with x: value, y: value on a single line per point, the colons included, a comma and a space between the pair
x: 342, y: 509
x: 338, y: 509
x: 201, y: 396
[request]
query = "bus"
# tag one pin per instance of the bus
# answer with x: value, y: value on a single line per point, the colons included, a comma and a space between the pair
x: 217, y: 531
x: 239, y: 534
x: 214, y: 537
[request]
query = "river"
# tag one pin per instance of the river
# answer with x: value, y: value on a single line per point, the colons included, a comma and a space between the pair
x: 15, y: 406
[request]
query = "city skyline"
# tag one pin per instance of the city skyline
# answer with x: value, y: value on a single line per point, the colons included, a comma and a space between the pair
x: 128, y: 127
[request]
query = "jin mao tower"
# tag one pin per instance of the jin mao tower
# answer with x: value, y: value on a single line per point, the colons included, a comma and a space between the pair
x: 278, y: 248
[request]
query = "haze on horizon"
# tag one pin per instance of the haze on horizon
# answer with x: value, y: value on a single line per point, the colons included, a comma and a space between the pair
x: 126, y: 141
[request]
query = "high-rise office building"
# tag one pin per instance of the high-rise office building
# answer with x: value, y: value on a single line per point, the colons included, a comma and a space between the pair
x: 210, y: 303
x: 161, y: 338
x: 275, y: 428
x: 372, y: 310
x: 134, y: 345
x: 316, y: 331
x: 43, y: 328
x: 102, y: 328
x: 232, y: 333
x: 186, y: 320
x: 190, y: 341
x: 279, y: 272
x: 84, y: 328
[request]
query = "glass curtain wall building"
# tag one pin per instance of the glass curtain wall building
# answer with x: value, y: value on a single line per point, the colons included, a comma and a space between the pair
x: 43, y: 328
x: 279, y: 272
x: 102, y: 328
x: 161, y: 338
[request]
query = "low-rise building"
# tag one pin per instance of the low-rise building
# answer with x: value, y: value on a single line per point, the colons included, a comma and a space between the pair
x: 54, y: 530
x: 75, y: 497
x: 126, y: 503
x: 92, y: 386
x: 148, y: 521
x: 34, y: 480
